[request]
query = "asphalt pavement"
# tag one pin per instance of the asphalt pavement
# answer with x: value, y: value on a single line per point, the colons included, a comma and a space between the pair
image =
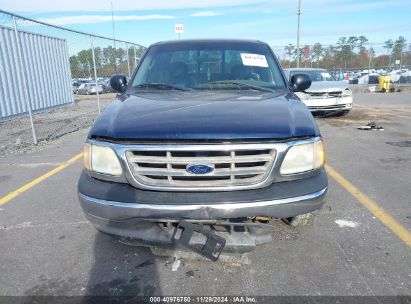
x: 49, y: 248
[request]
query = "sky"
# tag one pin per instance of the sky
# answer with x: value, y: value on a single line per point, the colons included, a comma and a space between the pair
x: 272, y: 21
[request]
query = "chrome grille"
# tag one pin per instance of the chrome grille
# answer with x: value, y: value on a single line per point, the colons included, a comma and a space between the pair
x: 321, y: 95
x: 329, y: 107
x: 232, y: 167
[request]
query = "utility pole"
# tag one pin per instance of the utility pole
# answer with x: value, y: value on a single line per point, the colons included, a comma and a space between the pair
x: 369, y: 62
x: 298, y: 33
x: 402, y: 47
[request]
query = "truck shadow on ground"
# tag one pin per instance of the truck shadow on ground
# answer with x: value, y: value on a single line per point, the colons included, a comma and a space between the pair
x: 122, y: 270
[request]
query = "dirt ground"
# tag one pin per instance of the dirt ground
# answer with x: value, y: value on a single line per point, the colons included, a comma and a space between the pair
x: 16, y: 135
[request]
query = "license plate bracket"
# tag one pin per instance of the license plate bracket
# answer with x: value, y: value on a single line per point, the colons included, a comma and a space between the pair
x: 212, y: 247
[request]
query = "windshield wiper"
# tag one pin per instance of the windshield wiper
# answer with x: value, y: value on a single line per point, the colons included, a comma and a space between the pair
x: 159, y: 86
x: 240, y: 85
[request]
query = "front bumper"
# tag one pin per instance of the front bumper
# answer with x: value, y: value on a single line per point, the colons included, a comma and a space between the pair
x: 151, y: 217
x: 121, y: 202
x: 329, y: 104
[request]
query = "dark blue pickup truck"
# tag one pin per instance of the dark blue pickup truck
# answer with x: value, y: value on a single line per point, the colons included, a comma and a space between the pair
x: 202, y: 148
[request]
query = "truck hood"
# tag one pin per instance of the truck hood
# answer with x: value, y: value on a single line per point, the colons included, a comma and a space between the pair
x: 205, y: 116
x: 327, y: 86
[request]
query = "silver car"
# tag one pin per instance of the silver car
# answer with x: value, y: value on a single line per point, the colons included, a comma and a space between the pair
x: 89, y: 88
x: 325, y: 94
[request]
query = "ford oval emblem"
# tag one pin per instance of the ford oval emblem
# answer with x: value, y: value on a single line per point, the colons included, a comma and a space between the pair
x: 199, y: 169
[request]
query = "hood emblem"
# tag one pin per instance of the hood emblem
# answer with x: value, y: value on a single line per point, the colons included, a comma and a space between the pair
x: 199, y: 169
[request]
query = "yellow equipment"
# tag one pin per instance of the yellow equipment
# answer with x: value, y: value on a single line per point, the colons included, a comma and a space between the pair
x: 384, y: 83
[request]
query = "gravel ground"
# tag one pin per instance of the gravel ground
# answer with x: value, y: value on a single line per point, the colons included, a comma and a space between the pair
x: 16, y: 136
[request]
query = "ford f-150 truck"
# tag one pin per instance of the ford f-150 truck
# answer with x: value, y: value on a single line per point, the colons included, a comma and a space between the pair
x: 203, y: 146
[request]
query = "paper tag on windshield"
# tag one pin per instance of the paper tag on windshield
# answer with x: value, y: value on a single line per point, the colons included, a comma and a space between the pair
x: 254, y: 60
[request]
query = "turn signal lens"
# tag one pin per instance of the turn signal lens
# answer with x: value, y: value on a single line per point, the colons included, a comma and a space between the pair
x: 87, y: 156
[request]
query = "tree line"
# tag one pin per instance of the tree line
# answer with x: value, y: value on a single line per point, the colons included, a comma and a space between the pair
x: 109, y: 60
x: 349, y: 53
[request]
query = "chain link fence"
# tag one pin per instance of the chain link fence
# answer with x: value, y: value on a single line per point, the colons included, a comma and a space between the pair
x: 33, y: 57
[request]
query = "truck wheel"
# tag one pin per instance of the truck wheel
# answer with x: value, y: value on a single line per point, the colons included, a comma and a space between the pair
x: 300, y: 220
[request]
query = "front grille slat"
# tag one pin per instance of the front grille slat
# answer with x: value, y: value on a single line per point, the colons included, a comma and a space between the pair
x: 185, y: 160
x: 232, y: 167
x: 329, y: 107
x: 322, y: 95
x: 217, y: 172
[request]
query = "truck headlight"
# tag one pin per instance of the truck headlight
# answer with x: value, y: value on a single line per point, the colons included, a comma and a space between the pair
x: 303, y: 95
x: 303, y: 158
x: 347, y: 92
x: 101, y: 160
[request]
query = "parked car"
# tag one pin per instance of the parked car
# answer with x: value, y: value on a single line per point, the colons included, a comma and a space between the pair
x: 205, y: 144
x: 371, y: 78
x: 89, y: 88
x: 351, y: 77
x: 325, y: 94
x: 75, y: 85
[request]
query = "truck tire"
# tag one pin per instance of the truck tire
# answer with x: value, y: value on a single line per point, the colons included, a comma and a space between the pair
x: 301, y: 220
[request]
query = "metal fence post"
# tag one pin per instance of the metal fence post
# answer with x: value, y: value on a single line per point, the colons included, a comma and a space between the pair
x: 135, y: 57
x: 24, y: 79
x: 95, y: 75
x: 128, y: 61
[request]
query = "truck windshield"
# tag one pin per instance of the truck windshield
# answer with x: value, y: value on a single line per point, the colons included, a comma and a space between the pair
x: 209, y: 66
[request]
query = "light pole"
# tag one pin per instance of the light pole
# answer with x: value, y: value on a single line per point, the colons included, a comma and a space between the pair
x: 402, y: 46
x: 298, y: 33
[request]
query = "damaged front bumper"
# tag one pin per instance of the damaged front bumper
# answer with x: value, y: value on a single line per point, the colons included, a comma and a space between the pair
x: 152, y: 218
x: 329, y: 104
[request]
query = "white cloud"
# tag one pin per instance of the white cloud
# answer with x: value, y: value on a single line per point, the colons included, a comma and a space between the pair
x: 353, y: 6
x: 206, y: 14
x: 119, y: 5
x: 86, y: 19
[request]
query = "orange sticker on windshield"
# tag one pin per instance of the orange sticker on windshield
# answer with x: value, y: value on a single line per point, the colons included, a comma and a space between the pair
x: 254, y: 60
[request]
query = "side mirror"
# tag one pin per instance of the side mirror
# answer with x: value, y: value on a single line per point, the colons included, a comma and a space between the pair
x: 118, y: 83
x: 300, y: 82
